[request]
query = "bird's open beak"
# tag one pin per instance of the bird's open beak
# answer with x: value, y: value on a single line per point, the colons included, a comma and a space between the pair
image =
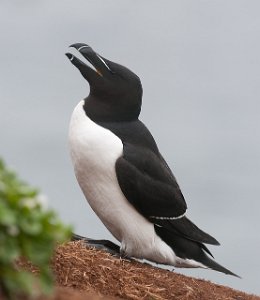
x: 98, y: 62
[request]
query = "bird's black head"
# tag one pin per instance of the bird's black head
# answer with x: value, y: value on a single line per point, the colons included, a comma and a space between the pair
x: 115, y: 91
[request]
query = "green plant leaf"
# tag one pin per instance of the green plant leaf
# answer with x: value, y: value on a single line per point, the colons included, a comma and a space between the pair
x: 28, y: 231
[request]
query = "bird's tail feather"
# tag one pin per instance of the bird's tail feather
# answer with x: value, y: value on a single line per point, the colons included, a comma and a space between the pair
x: 211, y: 264
x: 188, y: 229
x: 188, y: 249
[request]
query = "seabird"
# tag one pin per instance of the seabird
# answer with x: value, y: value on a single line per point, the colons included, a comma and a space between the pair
x: 123, y: 175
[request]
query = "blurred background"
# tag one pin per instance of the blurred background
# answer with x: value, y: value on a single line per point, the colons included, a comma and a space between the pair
x: 200, y: 68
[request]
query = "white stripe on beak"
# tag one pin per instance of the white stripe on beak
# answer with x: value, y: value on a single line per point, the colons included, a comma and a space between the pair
x: 82, y: 47
x: 103, y: 62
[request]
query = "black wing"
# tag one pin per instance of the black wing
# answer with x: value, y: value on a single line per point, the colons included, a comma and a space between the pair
x: 148, y: 183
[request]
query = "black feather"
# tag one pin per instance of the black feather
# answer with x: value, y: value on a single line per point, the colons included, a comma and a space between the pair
x: 188, y: 249
x: 188, y: 229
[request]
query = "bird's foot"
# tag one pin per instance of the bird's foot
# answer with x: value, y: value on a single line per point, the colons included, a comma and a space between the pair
x: 123, y: 254
x: 105, y: 245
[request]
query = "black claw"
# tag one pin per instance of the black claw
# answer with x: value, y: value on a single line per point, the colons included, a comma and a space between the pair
x: 123, y: 255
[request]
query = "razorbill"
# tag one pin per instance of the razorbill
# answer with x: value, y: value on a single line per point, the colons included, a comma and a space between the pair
x: 123, y: 175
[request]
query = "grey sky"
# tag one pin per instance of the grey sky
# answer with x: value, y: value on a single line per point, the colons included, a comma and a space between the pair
x: 200, y: 68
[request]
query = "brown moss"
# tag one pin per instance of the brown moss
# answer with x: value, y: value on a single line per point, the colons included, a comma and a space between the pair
x: 87, y: 269
x: 85, y: 273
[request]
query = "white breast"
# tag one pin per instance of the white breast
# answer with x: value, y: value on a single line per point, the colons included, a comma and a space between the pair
x: 94, y: 151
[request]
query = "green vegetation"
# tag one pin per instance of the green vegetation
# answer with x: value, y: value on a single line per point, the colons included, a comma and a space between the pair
x: 28, y: 231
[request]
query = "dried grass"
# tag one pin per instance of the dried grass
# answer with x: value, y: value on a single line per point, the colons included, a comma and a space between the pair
x: 86, y: 273
x: 87, y: 269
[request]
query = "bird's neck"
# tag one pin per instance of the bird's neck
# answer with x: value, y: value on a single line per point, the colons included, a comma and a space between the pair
x: 110, y: 111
